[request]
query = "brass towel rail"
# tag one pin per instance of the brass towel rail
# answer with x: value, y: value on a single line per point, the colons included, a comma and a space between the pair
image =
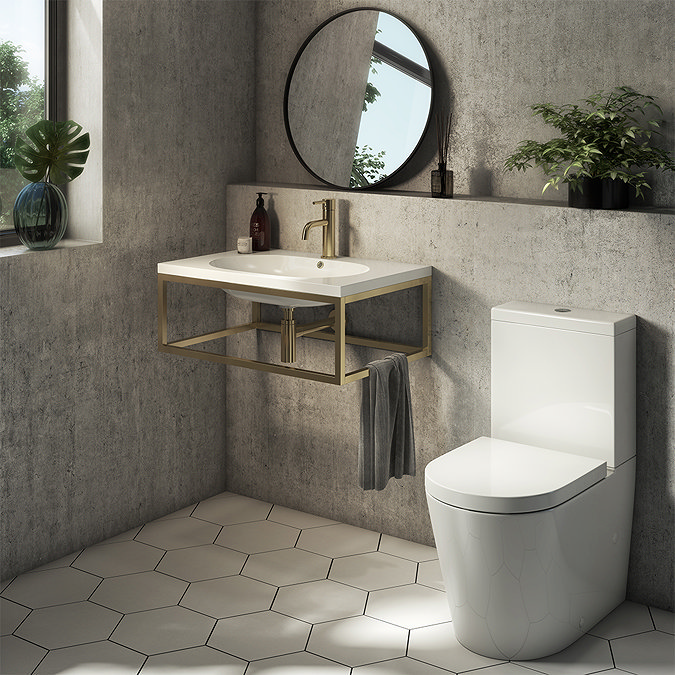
x: 331, y: 329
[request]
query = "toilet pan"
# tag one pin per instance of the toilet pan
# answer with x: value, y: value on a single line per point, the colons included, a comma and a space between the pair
x: 533, y: 543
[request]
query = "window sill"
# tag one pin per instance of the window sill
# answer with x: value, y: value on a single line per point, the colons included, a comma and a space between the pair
x: 20, y: 249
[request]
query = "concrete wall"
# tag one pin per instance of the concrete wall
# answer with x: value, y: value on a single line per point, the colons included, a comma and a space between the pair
x: 492, y: 59
x: 295, y: 442
x: 99, y: 431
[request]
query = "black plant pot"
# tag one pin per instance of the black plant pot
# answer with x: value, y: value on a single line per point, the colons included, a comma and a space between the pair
x: 588, y: 194
x: 615, y: 193
x: 600, y: 193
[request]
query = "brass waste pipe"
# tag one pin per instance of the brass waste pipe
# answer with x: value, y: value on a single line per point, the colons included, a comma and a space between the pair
x: 289, y: 332
x: 288, y: 336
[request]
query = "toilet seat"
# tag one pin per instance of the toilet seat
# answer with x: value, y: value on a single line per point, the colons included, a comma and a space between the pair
x: 491, y: 475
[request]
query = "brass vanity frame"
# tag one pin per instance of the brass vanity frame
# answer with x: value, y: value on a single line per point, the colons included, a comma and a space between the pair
x: 316, y: 329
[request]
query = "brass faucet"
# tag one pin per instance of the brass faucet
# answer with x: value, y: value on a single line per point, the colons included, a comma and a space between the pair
x: 328, y: 223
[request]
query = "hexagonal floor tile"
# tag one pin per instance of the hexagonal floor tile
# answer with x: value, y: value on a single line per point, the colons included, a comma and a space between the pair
x: 136, y: 592
x: 257, y: 537
x: 587, y: 655
x: 234, y: 509
x: 124, y: 536
x: 438, y: 646
x: 407, y: 549
x: 373, y: 571
x: 645, y: 654
x: 338, y: 540
x: 411, y: 606
x: 229, y: 596
x: 51, y: 587
x: 287, y: 566
x: 182, y: 513
x: 66, y: 625
x: 627, y: 619
x: 125, y: 557
x: 196, y: 660
x: 163, y: 630
x: 199, y: 563
x: 60, y: 562
x: 358, y: 640
x: 19, y: 656
x: 95, y: 658
x: 178, y: 533
x: 406, y: 666
x: 295, y: 664
x: 318, y: 601
x: 11, y: 615
x: 429, y: 574
x: 298, y: 519
x: 663, y: 620
x: 260, y: 635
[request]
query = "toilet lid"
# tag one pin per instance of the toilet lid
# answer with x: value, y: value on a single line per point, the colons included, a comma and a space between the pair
x: 495, y: 476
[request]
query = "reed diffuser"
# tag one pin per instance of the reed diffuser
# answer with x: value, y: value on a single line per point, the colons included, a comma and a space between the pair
x: 442, y: 179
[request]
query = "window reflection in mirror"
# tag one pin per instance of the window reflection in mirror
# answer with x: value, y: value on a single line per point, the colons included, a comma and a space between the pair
x: 358, y: 98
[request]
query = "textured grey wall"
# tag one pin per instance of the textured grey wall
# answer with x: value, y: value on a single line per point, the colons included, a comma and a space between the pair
x: 295, y: 442
x: 493, y: 58
x: 99, y: 431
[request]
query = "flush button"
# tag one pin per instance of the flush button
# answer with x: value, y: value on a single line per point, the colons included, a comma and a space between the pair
x: 562, y: 309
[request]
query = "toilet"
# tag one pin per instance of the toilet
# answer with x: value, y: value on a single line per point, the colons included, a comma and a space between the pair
x: 533, y: 524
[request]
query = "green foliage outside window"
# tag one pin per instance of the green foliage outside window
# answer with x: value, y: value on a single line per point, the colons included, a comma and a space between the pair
x: 22, y: 104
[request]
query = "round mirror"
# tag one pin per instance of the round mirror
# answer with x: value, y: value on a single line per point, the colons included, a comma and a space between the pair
x: 358, y: 98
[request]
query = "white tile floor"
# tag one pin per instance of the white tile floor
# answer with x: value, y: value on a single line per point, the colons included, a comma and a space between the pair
x: 235, y: 586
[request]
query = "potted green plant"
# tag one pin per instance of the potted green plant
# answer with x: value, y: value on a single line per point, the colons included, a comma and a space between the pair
x: 604, y: 148
x: 51, y: 153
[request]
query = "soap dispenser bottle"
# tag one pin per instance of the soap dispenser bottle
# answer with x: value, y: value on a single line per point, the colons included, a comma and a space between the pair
x: 260, y: 230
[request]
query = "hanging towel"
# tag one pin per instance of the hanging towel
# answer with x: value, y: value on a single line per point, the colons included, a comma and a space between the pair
x: 387, y: 441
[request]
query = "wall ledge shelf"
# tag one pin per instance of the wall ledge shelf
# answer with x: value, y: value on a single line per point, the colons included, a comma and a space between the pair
x: 555, y: 204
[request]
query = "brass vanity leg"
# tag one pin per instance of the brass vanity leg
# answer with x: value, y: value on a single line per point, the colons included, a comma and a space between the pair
x: 340, y: 341
x: 426, y: 317
x: 162, y: 332
x: 255, y: 312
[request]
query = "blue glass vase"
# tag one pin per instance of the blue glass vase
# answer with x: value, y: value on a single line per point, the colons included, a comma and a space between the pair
x: 40, y: 215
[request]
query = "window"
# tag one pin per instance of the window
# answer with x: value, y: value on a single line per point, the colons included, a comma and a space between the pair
x: 25, y: 28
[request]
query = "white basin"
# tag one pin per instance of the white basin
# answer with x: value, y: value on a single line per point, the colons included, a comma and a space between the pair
x: 296, y: 272
x: 283, y: 265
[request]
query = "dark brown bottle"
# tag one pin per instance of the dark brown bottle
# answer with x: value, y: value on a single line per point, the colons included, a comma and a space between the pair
x: 260, y: 230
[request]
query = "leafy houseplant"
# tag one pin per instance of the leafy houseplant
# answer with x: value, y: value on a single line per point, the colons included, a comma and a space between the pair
x: 603, y: 141
x: 54, y: 152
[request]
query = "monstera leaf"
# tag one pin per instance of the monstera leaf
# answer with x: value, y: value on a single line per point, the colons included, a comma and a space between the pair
x: 56, y: 154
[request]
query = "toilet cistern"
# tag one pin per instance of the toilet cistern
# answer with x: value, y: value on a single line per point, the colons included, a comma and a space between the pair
x: 327, y: 222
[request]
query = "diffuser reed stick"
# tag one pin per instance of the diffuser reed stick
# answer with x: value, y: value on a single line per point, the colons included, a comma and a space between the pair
x: 443, y: 127
x: 442, y: 181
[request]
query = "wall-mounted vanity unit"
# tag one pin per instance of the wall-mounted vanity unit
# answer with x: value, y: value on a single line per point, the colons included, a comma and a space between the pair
x: 290, y: 279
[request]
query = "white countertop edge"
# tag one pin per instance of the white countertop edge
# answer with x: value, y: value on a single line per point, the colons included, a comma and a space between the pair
x: 382, y: 273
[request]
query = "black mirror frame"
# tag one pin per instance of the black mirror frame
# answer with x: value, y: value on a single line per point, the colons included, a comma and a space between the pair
x: 288, y: 86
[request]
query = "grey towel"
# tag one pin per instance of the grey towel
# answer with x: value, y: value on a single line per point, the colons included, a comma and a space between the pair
x: 387, y: 442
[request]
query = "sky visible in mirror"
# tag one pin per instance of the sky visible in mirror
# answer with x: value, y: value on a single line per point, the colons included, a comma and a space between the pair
x: 410, y: 98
